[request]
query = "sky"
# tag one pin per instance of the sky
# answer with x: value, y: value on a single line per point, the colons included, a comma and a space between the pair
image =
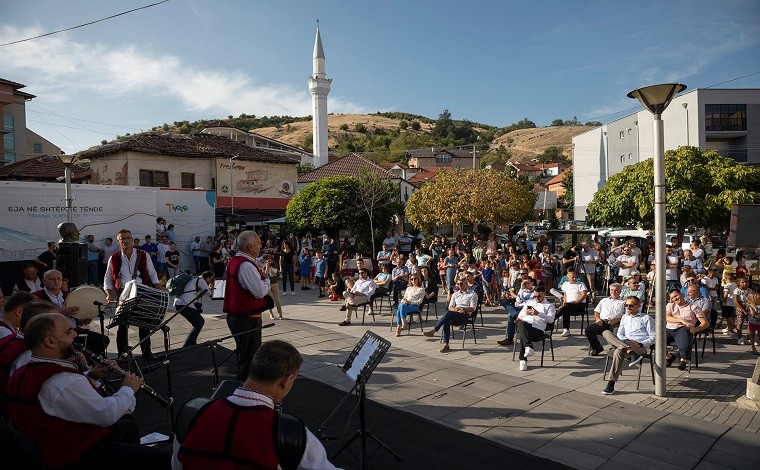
x: 493, y: 62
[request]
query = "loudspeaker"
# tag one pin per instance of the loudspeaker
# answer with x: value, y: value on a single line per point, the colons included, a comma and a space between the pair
x: 71, y: 261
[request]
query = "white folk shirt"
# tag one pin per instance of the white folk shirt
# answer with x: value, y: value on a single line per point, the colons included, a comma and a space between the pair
x: 250, y: 277
x: 128, y: 267
x: 573, y: 290
x: 314, y: 456
x: 545, y: 313
x: 610, y: 308
x: 33, y: 286
x: 70, y: 396
x: 194, y: 287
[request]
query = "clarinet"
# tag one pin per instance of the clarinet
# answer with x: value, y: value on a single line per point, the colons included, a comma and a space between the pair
x: 100, y: 360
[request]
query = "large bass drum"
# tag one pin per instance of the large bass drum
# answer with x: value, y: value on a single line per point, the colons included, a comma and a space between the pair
x: 149, y: 306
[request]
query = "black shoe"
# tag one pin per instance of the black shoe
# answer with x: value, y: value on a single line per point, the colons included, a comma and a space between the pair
x: 597, y: 351
x: 682, y: 365
x: 321, y: 295
x: 609, y: 389
x: 343, y: 308
x: 669, y: 362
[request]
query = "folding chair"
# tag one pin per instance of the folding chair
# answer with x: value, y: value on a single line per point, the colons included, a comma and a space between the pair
x: 411, y: 314
x: 709, y: 331
x: 550, y: 327
x: 428, y: 302
x: 645, y: 357
x: 470, y: 321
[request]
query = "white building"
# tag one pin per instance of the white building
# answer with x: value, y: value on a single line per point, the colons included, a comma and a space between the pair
x: 727, y: 120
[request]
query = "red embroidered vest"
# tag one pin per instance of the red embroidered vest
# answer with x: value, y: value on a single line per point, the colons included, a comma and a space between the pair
x: 227, y: 436
x: 237, y: 300
x: 141, y: 266
x: 11, y: 348
x: 61, y: 442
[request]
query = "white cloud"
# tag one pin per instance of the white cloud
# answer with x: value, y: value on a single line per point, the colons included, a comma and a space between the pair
x: 67, y: 71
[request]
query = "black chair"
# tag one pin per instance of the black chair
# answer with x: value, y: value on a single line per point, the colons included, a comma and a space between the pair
x: 19, y: 452
x: 709, y: 331
x: 645, y: 357
x: 364, y: 311
x: 550, y: 327
x: 470, y: 321
x: 411, y: 314
x: 427, y: 302
x: 378, y: 301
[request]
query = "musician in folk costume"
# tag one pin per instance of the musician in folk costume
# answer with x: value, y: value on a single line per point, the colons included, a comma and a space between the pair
x: 52, y: 282
x: 60, y: 410
x: 245, y: 297
x: 129, y: 264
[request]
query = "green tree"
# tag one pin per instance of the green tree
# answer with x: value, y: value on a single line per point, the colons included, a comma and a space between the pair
x: 567, y: 201
x: 491, y: 197
x: 443, y: 124
x: 700, y: 188
x: 558, y: 122
x: 416, y: 125
x: 359, y: 127
x: 403, y: 125
x: 304, y: 168
x: 553, y: 155
x: 344, y: 127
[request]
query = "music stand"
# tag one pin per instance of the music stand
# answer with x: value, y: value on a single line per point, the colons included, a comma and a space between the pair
x: 359, y: 366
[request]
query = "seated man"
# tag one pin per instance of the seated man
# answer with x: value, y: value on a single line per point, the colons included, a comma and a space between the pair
x: 574, y: 294
x: 60, y: 410
x: 246, y: 421
x: 356, y: 294
x: 606, y: 315
x: 11, y: 315
x: 383, y: 281
x: 532, y: 321
x: 52, y: 282
x: 634, y: 287
x: 463, y: 303
x: 399, y: 278
x: 683, y: 320
x: 521, y: 292
x: 634, y: 336
x: 30, y: 282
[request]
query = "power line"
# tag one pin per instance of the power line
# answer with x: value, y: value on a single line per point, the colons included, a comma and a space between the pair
x: 71, y: 119
x: 56, y: 130
x: 84, y: 24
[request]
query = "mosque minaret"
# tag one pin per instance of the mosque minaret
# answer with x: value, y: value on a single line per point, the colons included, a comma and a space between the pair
x: 319, y: 87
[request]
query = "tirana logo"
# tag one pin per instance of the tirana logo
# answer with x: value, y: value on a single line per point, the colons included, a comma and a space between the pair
x: 176, y: 207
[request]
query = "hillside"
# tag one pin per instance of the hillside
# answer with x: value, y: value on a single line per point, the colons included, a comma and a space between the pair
x: 523, y: 143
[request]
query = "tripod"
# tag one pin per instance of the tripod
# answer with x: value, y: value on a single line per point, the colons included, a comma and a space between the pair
x: 363, y: 433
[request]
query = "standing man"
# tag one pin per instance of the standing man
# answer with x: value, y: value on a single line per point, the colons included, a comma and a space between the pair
x: 163, y: 248
x: 109, y: 248
x: 93, y: 259
x: 150, y: 248
x: 245, y: 297
x: 129, y: 264
x: 195, y: 250
x: 47, y: 259
x: 207, y: 246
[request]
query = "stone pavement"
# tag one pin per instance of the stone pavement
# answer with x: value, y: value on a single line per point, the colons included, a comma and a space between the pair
x: 556, y: 411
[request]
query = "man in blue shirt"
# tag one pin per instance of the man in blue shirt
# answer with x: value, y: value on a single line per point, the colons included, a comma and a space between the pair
x: 150, y: 248
x: 93, y: 274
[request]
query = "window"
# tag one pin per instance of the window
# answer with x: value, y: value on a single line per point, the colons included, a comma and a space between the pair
x: 37, y: 147
x: 188, y: 180
x: 629, y: 131
x: 726, y: 117
x: 157, y: 179
x: 443, y: 158
x: 622, y: 134
x: 630, y: 156
x: 622, y: 159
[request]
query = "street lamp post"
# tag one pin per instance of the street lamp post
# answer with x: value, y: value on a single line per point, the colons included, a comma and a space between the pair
x: 473, y: 153
x: 67, y: 161
x: 656, y: 98
x: 232, y: 190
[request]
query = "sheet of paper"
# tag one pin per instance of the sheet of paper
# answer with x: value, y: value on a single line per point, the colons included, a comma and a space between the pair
x: 362, y: 357
x: 219, y: 287
x: 153, y: 438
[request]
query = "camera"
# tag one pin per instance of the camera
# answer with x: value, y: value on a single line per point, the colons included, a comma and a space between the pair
x: 198, y: 306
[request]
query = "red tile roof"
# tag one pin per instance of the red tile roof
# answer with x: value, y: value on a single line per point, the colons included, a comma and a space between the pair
x: 190, y: 145
x: 425, y: 175
x: 44, y: 168
x: 558, y: 179
x: 348, y: 165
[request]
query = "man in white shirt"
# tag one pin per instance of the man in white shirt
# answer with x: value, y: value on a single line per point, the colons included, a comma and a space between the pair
x: 574, y: 294
x: 626, y: 263
x: 532, y: 322
x: 195, y: 250
x: 163, y: 248
x: 463, y: 304
x: 589, y: 257
x: 359, y: 294
x: 66, y: 418
x: 188, y: 304
x: 606, y: 315
x: 129, y: 264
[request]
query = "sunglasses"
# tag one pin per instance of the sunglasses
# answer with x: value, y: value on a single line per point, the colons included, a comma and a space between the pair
x: 631, y: 305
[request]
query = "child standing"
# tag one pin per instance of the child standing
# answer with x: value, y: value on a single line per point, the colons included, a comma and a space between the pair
x: 753, y: 319
x: 320, y: 266
x: 728, y: 311
x: 741, y: 293
x: 304, y: 262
